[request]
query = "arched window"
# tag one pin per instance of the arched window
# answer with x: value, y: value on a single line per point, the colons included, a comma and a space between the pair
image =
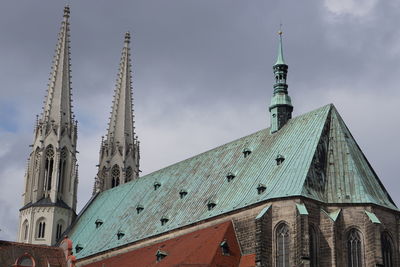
x: 282, y: 246
x: 115, y: 172
x: 354, y: 248
x: 25, y: 260
x: 128, y: 174
x: 59, y: 229
x: 25, y: 227
x: 41, y: 228
x: 387, y: 250
x: 313, y: 242
x: 48, y: 167
x: 61, y: 169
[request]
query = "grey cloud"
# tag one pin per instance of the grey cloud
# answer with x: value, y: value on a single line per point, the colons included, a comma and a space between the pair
x: 202, y: 76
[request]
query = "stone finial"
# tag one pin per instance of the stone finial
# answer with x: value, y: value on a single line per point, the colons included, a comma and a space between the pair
x: 66, y: 11
x: 127, y: 37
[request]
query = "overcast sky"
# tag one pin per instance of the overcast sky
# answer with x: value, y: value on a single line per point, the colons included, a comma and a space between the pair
x: 202, y: 76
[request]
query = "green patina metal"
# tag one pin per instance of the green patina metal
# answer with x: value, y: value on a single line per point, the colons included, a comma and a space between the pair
x: 302, y: 209
x: 280, y: 60
x: 263, y: 212
x: 204, y: 178
x: 372, y: 217
x: 332, y: 215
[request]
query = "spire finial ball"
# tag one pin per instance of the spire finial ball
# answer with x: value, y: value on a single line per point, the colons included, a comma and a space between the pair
x: 280, y: 32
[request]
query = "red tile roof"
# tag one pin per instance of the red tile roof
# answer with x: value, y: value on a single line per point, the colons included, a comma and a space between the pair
x: 199, y: 248
x: 42, y: 255
x: 248, y: 260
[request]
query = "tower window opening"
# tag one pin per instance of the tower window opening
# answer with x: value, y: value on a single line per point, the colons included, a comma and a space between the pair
x: 58, y: 231
x: 387, y: 250
x: 41, y: 229
x: 61, y: 169
x: 48, y: 167
x: 115, y: 173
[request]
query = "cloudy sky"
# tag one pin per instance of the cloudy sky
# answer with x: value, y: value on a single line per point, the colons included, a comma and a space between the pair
x: 202, y: 76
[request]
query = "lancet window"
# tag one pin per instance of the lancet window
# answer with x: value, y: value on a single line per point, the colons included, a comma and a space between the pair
x: 115, y: 173
x: 313, y: 243
x: 62, y: 169
x: 354, y: 248
x: 282, y: 246
x: 41, y: 229
x: 48, y: 167
x: 387, y: 250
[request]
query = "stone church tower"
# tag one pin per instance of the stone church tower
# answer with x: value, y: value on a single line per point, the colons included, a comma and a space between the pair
x: 49, y: 198
x: 119, y: 153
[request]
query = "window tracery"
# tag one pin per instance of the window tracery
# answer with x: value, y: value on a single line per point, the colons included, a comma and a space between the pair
x: 354, y: 248
x: 282, y: 246
x: 115, y: 173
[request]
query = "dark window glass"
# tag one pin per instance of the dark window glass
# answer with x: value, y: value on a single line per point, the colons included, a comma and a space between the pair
x: 313, y: 247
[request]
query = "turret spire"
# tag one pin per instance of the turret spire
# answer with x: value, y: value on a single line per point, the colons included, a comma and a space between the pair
x: 281, y: 107
x: 280, y: 60
x: 119, y: 153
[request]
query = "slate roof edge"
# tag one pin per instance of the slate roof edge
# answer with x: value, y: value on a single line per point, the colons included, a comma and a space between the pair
x: 254, y: 205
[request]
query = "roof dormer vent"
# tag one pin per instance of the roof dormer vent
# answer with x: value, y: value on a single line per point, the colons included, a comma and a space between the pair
x: 279, y: 159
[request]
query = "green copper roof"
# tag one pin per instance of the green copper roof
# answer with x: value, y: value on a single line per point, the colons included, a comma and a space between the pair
x: 302, y: 142
x: 280, y: 60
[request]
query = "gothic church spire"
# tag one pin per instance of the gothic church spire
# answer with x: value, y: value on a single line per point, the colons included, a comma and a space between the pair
x: 281, y: 107
x: 119, y: 153
x: 57, y: 106
x: 51, y: 176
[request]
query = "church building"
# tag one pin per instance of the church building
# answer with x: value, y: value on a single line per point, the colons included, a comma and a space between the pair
x: 298, y: 193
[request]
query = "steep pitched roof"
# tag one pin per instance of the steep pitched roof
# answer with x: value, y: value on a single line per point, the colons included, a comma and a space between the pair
x: 303, y: 144
x: 198, y: 248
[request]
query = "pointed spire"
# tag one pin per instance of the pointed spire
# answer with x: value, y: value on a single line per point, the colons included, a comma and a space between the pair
x: 280, y: 60
x: 57, y: 106
x: 121, y: 121
x: 281, y: 107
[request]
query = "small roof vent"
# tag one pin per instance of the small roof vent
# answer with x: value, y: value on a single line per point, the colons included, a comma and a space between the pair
x: 279, y: 159
x: 246, y: 152
x: 120, y: 234
x: 211, y: 204
x: 161, y: 255
x: 261, y: 188
x: 78, y: 248
x: 230, y: 176
x: 157, y: 185
x: 139, y: 208
x: 98, y: 223
x: 164, y: 220
x: 182, y: 193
